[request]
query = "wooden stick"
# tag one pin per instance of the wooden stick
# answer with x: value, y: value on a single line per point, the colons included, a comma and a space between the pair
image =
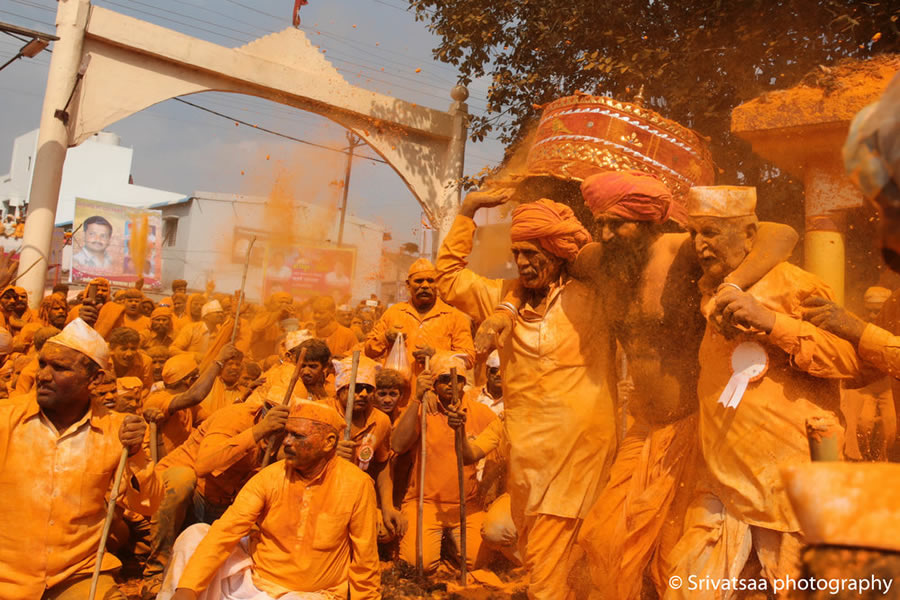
x: 237, y: 312
x: 351, y: 393
x: 272, y: 449
x: 420, y: 508
x: 459, y: 433
x: 110, y: 513
x: 154, y: 443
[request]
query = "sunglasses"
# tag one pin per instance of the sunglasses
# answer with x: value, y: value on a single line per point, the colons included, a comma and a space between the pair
x: 445, y: 379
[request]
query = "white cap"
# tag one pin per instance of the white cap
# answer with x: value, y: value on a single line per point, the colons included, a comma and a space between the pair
x: 210, y: 307
x: 721, y: 201
x: 80, y: 336
x: 493, y: 360
x: 295, y: 338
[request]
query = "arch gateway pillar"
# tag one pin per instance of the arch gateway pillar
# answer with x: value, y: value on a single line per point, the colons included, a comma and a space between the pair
x: 107, y: 66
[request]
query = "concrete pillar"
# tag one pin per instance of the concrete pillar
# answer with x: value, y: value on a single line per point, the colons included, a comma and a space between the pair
x: 823, y: 249
x: 454, y: 167
x: 828, y: 194
x: 53, y: 141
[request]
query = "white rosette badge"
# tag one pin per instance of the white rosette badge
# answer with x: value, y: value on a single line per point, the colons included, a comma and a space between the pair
x: 749, y: 363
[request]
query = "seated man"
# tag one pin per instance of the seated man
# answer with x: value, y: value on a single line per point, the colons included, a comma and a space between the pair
x: 491, y: 394
x: 391, y: 392
x: 312, y: 374
x: 441, y: 510
x: 194, y: 338
x: 340, y: 339
x: 764, y: 373
x: 369, y: 446
x: 133, y: 315
x: 127, y: 358
x: 59, y: 455
x: 225, y: 390
x: 173, y: 408
x: 327, y: 550
x: 162, y: 328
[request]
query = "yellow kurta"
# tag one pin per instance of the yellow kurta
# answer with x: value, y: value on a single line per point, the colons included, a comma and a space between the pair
x: 745, y: 449
x: 559, y: 414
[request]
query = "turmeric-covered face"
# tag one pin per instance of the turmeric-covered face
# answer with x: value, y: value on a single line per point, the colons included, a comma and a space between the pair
x: 721, y: 243
x: 537, y: 267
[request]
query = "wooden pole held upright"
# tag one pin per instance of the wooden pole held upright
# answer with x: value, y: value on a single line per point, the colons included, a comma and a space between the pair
x: 274, y: 444
x: 460, y: 474
x: 237, y: 313
x: 420, y: 508
x: 154, y: 443
x: 351, y: 393
x: 110, y: 513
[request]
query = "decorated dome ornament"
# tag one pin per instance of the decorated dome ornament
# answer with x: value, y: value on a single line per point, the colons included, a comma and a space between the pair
x: 581, y: 135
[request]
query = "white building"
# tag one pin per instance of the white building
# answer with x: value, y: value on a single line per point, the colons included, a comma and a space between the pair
x: 199, y: 241
x: 97, y: 169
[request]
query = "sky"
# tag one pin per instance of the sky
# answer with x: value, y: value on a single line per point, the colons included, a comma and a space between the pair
x: 374, y: 44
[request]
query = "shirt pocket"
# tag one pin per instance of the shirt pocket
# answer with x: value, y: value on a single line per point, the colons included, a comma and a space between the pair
x: 331, y: 530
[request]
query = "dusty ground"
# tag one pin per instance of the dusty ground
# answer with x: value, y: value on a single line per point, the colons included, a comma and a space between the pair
x: 401, y: 583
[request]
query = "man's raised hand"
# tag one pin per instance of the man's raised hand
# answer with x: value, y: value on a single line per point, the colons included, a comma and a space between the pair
x: 274, y: 422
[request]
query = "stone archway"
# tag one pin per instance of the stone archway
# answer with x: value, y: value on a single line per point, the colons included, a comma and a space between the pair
x: 107, y: 66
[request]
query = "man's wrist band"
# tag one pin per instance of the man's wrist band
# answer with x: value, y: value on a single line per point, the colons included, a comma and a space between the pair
x: 729, y: 284
x: 508, y: 307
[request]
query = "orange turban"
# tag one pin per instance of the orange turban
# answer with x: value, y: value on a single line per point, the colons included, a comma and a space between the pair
x: 178, y: 367
x: 631, y: 195
x: 162, y: 311
x: 318, y: 412
x: 553, y: 225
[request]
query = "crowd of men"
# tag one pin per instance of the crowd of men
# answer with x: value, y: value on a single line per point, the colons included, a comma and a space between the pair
x: 626, y: 408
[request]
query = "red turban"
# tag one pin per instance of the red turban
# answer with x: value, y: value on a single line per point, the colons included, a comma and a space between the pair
x: 553, y: 225
x: 631, y: 195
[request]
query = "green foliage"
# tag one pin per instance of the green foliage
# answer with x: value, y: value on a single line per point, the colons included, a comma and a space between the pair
x: 696, y: 60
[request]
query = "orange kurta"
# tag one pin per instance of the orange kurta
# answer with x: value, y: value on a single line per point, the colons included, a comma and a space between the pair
x: 557, y: 368
x: 374, y: 439
x: 218, y: 398
x: 441, y: 484
x: 228, y: 455
x: 141, y: 324
x: 54, y: 489
x: 339, y: 339
x: 25, y: 382
x: 265, y: 333
x: 313, y: 536
x: 746, y: 449
x: 443, y: 328
x: 142, y: 368
x: 192, y: 338
x: 177, y: 425
x: 881, y: 348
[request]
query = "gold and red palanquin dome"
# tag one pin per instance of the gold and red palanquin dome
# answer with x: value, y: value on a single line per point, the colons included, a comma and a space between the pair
x: 579, y: 136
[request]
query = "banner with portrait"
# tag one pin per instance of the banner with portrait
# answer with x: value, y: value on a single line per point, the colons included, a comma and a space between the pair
x: 105, y: 237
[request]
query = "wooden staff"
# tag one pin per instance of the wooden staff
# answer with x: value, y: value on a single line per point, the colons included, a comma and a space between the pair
x: 154, y: 443
x: 420, y: 508
x: 237, y: 312
x: 272, y: 449
x: 110, y: 513
x: 351, y: 393
x: 459, y: 435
